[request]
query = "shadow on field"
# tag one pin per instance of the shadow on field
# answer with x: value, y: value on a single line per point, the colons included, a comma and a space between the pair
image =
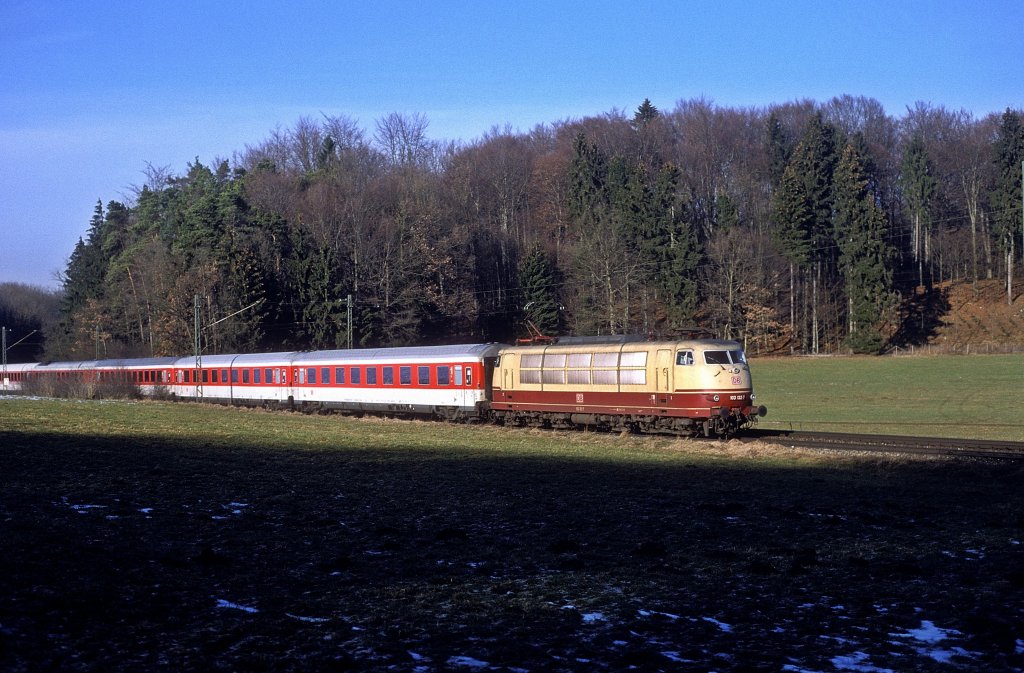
x: 128, y: 554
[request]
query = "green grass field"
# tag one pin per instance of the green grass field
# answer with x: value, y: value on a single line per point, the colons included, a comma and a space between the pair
x: 943, y: 396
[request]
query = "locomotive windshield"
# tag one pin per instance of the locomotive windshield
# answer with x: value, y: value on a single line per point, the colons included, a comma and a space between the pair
x: 734, y: 357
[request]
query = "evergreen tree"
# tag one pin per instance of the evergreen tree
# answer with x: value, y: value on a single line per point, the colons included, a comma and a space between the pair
x: 793, y: 217
x: 538, y: 281
x: 1006, y: 195
x: 644, y: 114
x: 778, y: 149
x: 588, y: 173
x: 802, y: 214
x: 865, y: 258
x: 678, y: 250
x: 919, y: 187
x: 87, y: 269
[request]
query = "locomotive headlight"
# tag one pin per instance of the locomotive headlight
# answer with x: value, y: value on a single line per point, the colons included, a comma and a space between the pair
x: 715, y: 398
x: 753, y: 397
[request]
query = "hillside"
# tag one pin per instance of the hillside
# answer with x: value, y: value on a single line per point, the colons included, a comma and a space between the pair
x: 978, y: 318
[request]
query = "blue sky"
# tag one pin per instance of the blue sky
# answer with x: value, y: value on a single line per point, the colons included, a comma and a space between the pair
x: 90, y: 92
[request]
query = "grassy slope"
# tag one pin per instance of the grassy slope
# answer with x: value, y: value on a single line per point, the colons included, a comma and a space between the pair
x: 942, y: 396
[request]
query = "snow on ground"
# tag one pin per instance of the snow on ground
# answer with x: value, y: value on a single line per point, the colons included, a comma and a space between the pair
x: 229, y: 605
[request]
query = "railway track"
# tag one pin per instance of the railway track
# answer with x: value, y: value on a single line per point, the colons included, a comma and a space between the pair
x: 931, y: 446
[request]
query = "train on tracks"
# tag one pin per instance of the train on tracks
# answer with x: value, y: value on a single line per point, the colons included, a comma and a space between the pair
x: 680, y: 387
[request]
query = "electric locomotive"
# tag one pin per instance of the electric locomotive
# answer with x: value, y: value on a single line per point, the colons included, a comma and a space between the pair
x: 688, y: 387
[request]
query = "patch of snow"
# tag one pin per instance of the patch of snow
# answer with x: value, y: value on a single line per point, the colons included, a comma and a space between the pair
x: 838, y: 639
x: 927, y: 633
x: 944, y: 656
x: 1014, y: 541
x: 652, y: 613
x: 721, y: 625
x: 591, y: 617
x: 859, y: 662
x: 308, y: 620
x: 675, y: 656
x: 416, y: 656
x: 931, y: 635
x: 111, y: 517
x: 146, y: 510
x: 1020, y: 646
x: 797, y: 669
x: 228, y: 605
x: 466, y: 662
x: 82, y: 509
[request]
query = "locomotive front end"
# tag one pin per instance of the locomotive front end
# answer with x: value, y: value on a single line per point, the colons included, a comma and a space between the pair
x: 718, y: 376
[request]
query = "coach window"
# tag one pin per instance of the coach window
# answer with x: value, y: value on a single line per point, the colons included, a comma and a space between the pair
x: 325, y: 376
x: 223, y: 376
x: 213, y: 376
x: 234, y: 376
x: 256, y: 376
x: 245, y: 376
x: 388, y: 375
x: 311, y: 376
x: 684, y: 358
x: 423, y: 375
x: 357, y: 375
x: 444, y: 375
x: 371, y: 376
x: 458, y: 376
x: 206, y: 375
x: 405, y: 376
x: 469, y: 376
x: 339, y: 375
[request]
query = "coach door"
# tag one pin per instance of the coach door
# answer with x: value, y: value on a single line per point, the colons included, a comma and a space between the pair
x: 663, y: 370
x: 489, y: 366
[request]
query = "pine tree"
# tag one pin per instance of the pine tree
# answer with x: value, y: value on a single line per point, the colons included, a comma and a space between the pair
x: 83, y: 279
x: 778, y: 149
x: 919, y: 187
x: 1006, y: 196
x: 588, y: 173
x: 679, y: 252
x: 645, y: 114
x: 540, y: 291
x: 802, y: 214
x: 865, y: 258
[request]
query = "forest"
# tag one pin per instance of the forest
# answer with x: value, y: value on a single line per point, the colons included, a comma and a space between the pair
x: 803, y: 227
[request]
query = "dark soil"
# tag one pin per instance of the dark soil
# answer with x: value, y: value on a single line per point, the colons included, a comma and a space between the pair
x: 141, y: 555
